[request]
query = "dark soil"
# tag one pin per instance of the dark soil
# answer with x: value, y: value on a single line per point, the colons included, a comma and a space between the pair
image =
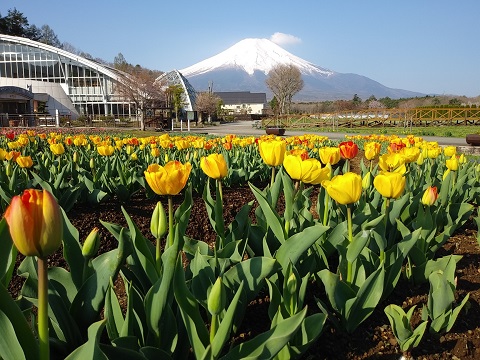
x: 373, y: 339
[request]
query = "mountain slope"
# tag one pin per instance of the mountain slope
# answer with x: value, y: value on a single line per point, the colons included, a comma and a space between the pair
x: 245, y: 66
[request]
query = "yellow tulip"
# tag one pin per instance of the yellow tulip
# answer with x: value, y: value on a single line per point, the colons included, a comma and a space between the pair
x: 452, y: 163
x: 169, y: 179
x: 3, y: 154
x: 410, y: 154
x: 214, y: 166
x: 389, y: 184
x: 24, y: 161
x: 392, y: 162
x: 372, y: 150
x: 308, y: 171
x: 155, y: 152
x: 272, y: 151
x: 35, y: 223
x: 329, y: 155
x: 105, y: 150
x: 462, y: 159
x: 344, y: 189
x: 430, y: 196
x: 449, y: 151
x: 57, y: 149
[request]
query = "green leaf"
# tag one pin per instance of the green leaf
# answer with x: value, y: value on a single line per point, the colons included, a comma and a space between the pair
x: 90, y: 298
x: 10, y: 348
x: 113, y: 314
x: 273, y: 219
x: 225, y: 327
x: 295, y: 246
x: 72, y: 251
x: 309, y: 332
x: 194, y: 324
x: 8, y: 254
x: 356, y: 246
x: 366, y: 300
x: 269, y: 343
x: 338, y: 292
x: 91, y: 349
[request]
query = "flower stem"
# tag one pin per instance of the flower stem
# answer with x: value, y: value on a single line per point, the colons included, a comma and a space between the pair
x: 325, y: 209
x: 220, y: 190
x: 214, y: 327
x: 158, y: 256
x: 272, y: 180
x: 170, y: 220
x: 350, y: 239
x: 43, y: 309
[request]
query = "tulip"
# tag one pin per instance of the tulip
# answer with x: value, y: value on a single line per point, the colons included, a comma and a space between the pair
x: 24, y: 161
x: 105, y: 150
x: 155, y: 152
x: 272, y: 151
x: 214, y: 166
x: 308, y: 171
x: 348, y: 149
x: 449, y: 151
x: 36, y: 228
x: 91, y: 244
x: 367, y: 181
x: 389, y: 184
x: 452, y: 163
x: 372, y: 150
x: 430, y: 196
x: 3, y: 154
x: 57, y: 149
x: 329, y: 155
x: 392, y: 162
x: 169, y: 179
x: 462, y: 159
x: 35, y: 223
x: 215, y: 304
x: 410, y: 154
x: 344, y: 189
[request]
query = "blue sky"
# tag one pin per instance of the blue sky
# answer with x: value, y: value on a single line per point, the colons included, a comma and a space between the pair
x: 419, y: 45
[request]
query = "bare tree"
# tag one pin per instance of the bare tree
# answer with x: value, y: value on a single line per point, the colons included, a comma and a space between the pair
x: 207, y: 102
x: 284, y: 81
x: 138, y: 85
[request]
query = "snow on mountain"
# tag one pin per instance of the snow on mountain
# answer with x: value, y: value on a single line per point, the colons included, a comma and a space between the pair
x: 245, y: 65
x: 253, y: 55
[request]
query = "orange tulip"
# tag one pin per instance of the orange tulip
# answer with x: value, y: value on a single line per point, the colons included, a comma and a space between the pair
x: 35, y: 223
x: 348, y: 149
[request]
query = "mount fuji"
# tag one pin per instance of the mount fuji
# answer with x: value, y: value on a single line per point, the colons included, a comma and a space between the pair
x: 245, y: 66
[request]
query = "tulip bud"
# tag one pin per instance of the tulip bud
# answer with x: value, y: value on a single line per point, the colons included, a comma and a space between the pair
x: 91, y: 244
x: 35, y: 222
x: 420, y: 159
x: 430, y: 196
x: 217, y: 298
x: 92, y: 163
x: 8, y: 169
x: 367, y: 181
x: 134, y: 157
x: 292, y: 284
x: 75, y: 157
x: 158, y: 222
x: 462, y: 159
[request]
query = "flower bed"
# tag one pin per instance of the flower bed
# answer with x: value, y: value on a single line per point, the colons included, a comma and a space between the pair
x: 325, y: 250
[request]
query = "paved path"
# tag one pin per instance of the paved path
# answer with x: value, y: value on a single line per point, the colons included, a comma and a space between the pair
x: 245, y: 128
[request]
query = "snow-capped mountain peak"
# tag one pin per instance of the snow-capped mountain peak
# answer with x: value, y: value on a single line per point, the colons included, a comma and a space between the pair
x: 253, y: 55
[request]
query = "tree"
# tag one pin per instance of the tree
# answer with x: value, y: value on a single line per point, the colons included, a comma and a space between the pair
x: 48, y: 36
x: 207, y: 102
x: 284, y: 81
x: 139, y: 86
x: 16, y: 24
x: 174, y: 95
